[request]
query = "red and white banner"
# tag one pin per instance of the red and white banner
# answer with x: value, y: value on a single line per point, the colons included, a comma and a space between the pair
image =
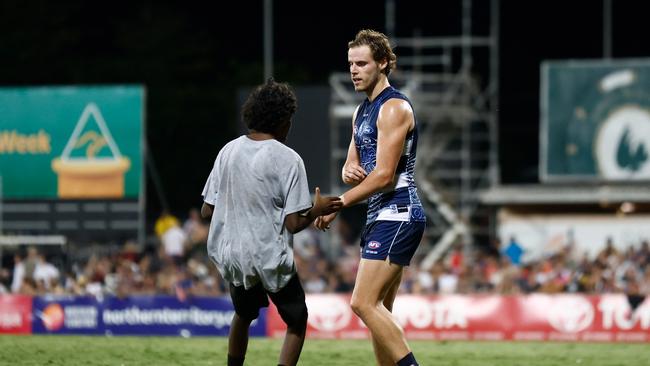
x: 15, y: 314
x: 564, y: 317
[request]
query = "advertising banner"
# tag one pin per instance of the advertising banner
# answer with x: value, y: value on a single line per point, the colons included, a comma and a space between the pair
x: 138, y: 315
x: 15, y: 314
x: 595, y: 120
x: 486, y: 317
x: 71, y: 142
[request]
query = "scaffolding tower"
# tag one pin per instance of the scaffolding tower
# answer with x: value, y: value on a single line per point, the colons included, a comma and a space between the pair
x: 454, y: 95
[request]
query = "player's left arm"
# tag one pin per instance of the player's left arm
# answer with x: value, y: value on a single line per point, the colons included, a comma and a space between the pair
x: 393, y: 124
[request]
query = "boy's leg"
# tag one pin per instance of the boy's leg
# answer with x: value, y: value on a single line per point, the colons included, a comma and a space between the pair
x: 247, y: 305
x: 290, y: 301
x: 238, y: 340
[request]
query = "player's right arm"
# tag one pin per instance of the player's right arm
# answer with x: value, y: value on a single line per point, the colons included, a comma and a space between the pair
x: 352, y: 173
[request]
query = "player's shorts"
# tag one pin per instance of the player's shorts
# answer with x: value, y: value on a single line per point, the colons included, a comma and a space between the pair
x: 290, y: 301
x: 397, y: 240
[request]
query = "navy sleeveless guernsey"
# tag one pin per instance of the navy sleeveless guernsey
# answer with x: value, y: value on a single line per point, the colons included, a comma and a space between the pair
x: 401, y: 203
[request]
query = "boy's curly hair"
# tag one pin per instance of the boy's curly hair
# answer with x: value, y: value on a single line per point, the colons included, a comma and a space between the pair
x: 269, y: 106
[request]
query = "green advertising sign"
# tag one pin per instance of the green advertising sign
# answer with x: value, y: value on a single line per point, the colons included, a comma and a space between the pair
x: 71, y: 142
x: 595, y: 120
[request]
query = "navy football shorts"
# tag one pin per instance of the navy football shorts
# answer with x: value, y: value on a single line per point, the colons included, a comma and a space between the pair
x: 397, y: 240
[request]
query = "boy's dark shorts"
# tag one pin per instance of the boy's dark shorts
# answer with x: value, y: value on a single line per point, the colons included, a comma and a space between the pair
x: 290, y: 301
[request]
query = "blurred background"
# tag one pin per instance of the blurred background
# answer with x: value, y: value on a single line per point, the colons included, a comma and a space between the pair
x: 532, y: 164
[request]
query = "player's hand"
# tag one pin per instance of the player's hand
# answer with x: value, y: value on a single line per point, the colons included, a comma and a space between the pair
x: 353, y: 174
x: 325, y: 205
x: 323, y: 222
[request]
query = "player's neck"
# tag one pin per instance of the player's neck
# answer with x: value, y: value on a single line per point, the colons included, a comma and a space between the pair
x: 381, y: 84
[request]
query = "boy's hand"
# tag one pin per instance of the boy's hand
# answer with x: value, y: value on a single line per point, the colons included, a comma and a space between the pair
x: 325, y: 205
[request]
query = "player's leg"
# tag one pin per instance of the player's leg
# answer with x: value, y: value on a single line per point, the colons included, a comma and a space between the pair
x: 374, y: 278
x: 383, y: 358
x: 387, y: 247
x: 247, y: 305
x: 290, y: 301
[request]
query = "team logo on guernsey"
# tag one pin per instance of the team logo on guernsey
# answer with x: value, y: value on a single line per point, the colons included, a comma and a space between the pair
x: 374, y: 244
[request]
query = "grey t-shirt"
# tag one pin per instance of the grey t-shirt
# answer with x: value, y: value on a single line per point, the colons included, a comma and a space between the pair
x: 253, y: 186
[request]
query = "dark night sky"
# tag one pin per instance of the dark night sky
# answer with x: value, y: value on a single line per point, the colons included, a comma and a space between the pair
x: 193, y: 58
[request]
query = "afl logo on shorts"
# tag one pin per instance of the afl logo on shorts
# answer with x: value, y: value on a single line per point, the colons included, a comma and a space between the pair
x: 374, y: 245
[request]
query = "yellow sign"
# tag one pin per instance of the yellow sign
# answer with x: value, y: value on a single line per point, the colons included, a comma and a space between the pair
x: 91, y: 176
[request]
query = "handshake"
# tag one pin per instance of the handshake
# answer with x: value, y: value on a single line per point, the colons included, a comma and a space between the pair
x: 325, y: 209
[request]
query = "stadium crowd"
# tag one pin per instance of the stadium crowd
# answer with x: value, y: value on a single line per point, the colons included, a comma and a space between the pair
x: 177, y: 264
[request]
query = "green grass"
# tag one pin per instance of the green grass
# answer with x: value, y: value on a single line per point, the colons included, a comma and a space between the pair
x: 131, y: 351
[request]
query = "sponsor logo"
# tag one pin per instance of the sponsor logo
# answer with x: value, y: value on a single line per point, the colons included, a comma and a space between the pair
x: 55, y: 317
x: 134, y: 316
x: 420, y: 313
x: 328, y: 312
x: 77, y: 317
x: 374, y: 244
x: 623, y: 144
x: 10, y: 320
x: 570, y: 314
x: 52, y: 317
x: 616, y: 314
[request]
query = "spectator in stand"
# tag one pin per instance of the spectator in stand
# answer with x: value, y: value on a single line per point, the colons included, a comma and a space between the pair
x: 507, y: 277
x: 456, y: 258
x: 164, y: 222
x: 426, y: 281
x: 31, y: 261
x: 44, y: 273
x: 642, y: 257
x: 345, y: 275
x: 447, y: 281
x: 5, y: 281
x: 196, y: 231
x: 28, y: 287
x: 18, y: 273
x: 465, y: 280
x: 644, y: 285
x: 514, y: 251
x: 173, y: 242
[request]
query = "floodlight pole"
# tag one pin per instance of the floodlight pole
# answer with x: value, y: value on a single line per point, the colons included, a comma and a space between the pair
x: 390, y: 18
x: 268, y: 39
x: 607, y: 29
x: 1, y: 208
x: 1, y: 218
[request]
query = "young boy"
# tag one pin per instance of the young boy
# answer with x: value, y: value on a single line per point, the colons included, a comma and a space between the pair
x: 258, y: 197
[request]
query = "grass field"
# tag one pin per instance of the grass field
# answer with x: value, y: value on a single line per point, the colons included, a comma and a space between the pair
x: 130, y: 351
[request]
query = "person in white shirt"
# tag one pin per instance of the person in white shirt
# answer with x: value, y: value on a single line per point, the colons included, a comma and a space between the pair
x: 18, y: 273
x: 257, y: 197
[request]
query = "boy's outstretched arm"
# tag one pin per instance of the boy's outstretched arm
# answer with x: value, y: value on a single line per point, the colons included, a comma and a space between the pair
x: 206, y: 210
x: 297, y: 221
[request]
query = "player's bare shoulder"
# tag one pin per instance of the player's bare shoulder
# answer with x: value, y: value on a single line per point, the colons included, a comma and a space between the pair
x: 396, y: 112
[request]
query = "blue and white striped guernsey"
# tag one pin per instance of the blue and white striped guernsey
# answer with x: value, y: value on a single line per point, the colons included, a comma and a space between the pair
x: 402, y: 202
